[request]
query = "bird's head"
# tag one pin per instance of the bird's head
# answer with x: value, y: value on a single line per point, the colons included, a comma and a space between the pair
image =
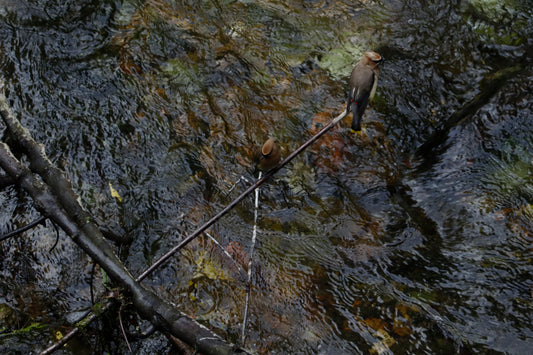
x: 267, y: 148
x: 373, y: 59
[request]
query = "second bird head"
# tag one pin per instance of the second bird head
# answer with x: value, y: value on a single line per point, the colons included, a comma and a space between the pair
x: 268, y: 156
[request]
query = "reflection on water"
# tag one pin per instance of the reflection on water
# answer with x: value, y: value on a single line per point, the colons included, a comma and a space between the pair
x: 413, y: 237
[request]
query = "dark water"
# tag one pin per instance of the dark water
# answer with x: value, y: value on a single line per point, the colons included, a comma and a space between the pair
x: 415, y: 237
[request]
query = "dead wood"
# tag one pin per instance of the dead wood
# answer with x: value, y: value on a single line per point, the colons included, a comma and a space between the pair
x: 55, y: 198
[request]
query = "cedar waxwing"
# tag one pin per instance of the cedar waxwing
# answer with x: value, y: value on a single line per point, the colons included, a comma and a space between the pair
x: 363, y: 83
x: 269, y: 155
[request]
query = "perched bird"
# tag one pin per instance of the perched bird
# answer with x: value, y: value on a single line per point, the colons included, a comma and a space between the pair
x: 363, y: 83
x: 269, y: 155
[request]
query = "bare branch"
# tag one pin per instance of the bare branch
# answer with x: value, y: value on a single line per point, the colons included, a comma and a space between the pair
x: 229, y: 207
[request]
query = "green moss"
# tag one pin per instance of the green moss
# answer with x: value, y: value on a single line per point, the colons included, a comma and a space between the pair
x: 499, y: 22
x: 340, y: 61
x: 26, y: 330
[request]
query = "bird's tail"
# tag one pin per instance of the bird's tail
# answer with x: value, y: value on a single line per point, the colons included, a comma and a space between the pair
x: 357, y: 116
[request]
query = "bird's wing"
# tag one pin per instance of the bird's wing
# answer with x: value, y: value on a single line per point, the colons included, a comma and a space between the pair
x: 362, y: 82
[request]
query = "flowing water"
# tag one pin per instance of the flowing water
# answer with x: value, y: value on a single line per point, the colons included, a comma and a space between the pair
x: 412, y: 237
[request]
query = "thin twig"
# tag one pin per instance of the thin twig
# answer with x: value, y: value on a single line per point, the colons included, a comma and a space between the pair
x: 229, y: 207
x: 38, y: 221
x: 224, y: 251
x: 228, y: 255
x: 122, y: 327
x: 242, y: 178
x: 86, y: 320
x: 57, y: 237
x: 91, y: 280
x: 252, y: 250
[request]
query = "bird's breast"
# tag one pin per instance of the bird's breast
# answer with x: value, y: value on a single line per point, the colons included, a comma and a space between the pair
x: 374, y: 86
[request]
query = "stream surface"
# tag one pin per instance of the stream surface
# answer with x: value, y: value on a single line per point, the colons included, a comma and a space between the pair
x: 412, y: 237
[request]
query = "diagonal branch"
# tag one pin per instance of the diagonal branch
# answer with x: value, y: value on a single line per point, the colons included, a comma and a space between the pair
x: 248, y: 191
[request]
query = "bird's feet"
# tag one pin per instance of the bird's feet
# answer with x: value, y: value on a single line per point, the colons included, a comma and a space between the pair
x: 360, y: 133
